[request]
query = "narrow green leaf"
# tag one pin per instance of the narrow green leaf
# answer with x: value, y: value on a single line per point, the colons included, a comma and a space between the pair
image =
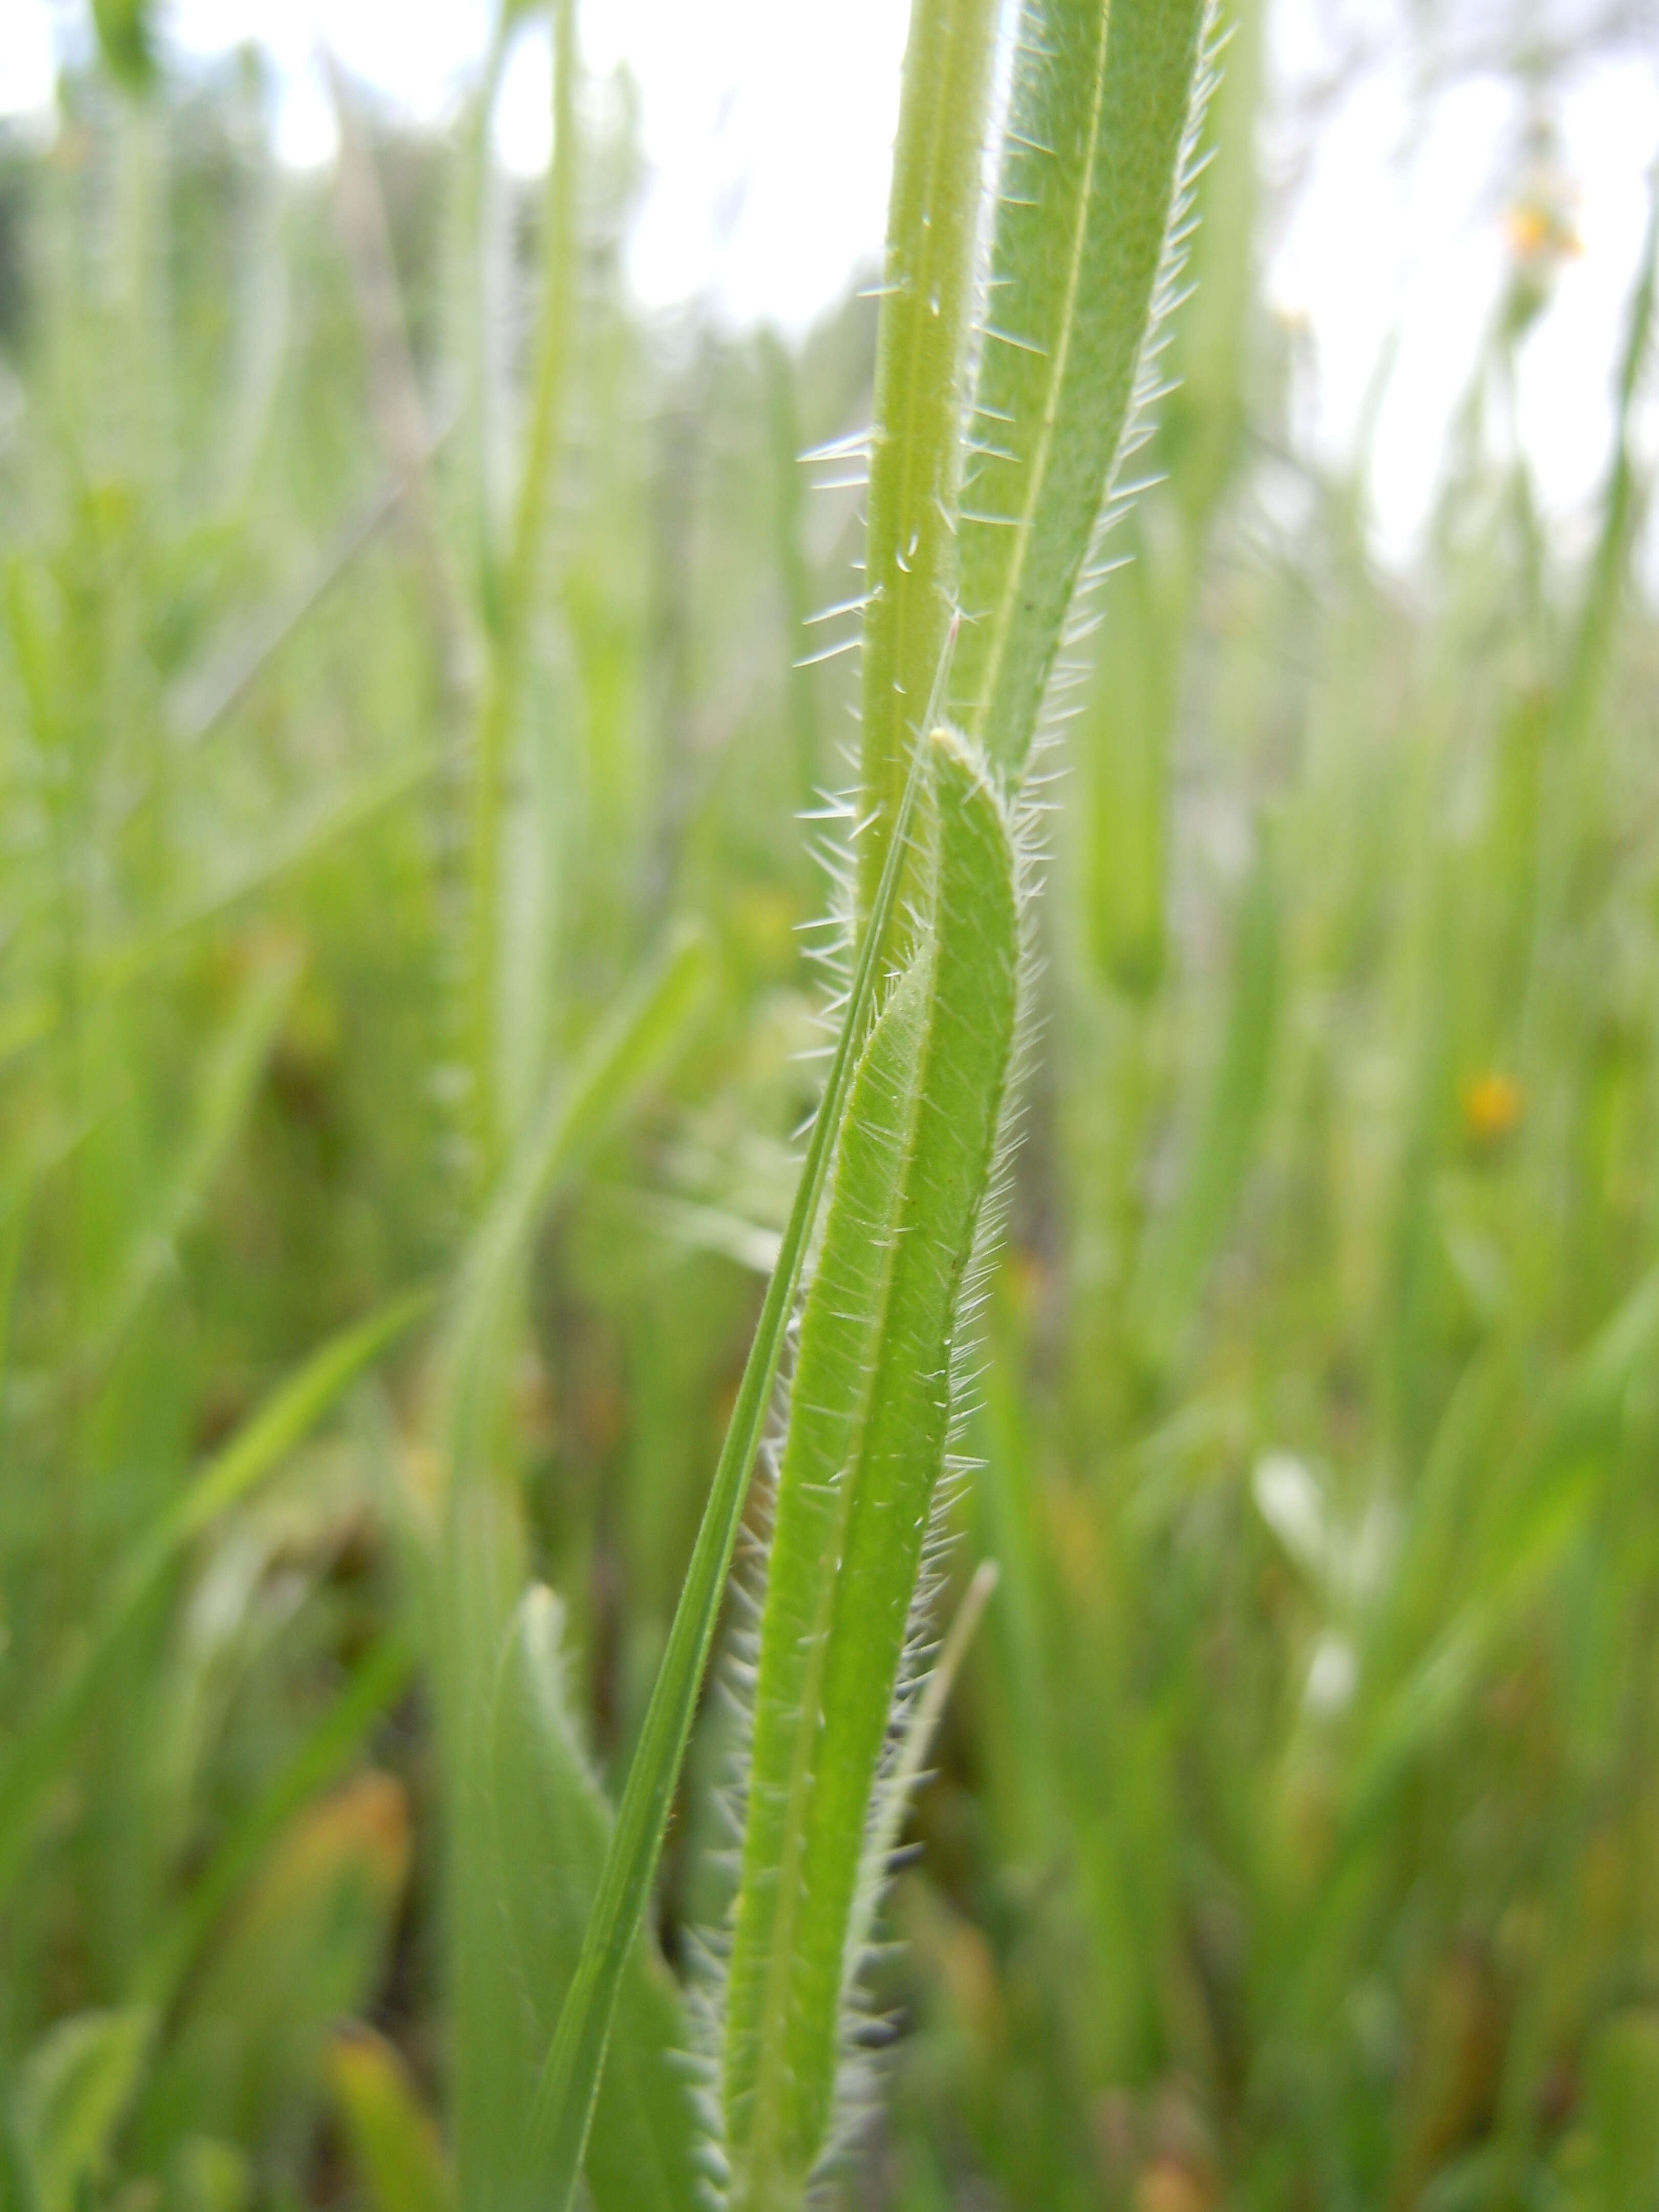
x: 564, y: 2100
x: 551, y: 1828
x: 871, y: 1412
x: 514, y: 603
x: 127, y: 40
x: 479, y: 1566
x: 1126, y: 731
x: 229, y: 1082
x: 37, y: 1756
x: 1226, y: 1126
x: 69, y: 2097
x: 921, y: 348
x: 1622, y: 2084
x: 778, y: 369
x: 915, y: 1740
x: 830, y: 1394
x: 629, y: 1047
x: 393, y: 2142
x: 377, y: 1682
x: 1101, y: 118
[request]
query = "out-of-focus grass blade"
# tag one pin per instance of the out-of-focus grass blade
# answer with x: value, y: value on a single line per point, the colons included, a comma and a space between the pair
x: 477, y: 1566
x: 376, y: 1683
x: 37, y: 1755
x: 564, y: 2101
x: 1225, y: 1134
x: 394, y: 2143
x: 871, y: 1413
x: 552, y: 1826
x: 205, y: 2174
x: 118, y: 966
x: 127, y: 40
x: 580, y: 1107
x: 227, y: 1085
x: 513, y: 599
x: 1544, y: 1506
x: 1587, y: 654
x: 70, y: 2096
x: 778, y: 370
x: 305, y: 1947
x: 1204, y: 417
x: 1101, y: 121
x: 1125, y: 734
x: 1622, y: 2085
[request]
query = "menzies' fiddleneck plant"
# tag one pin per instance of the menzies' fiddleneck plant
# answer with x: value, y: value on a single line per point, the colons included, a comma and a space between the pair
x: 1013, y: 359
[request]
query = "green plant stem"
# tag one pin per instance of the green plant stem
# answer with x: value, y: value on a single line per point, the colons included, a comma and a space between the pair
x: 915, y: 463
x: 564, y: 2100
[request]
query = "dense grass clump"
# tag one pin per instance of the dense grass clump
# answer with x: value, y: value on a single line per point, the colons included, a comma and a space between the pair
x: 1030, y: 1577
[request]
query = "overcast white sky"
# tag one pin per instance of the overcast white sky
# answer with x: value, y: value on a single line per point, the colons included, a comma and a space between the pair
x: 768, y: 127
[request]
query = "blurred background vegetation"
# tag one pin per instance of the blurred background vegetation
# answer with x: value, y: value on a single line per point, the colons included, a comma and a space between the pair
x: 1295, y: 1836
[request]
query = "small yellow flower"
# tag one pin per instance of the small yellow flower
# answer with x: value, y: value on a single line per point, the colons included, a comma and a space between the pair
x: 1540, y: 226
x: 1493, y: 1104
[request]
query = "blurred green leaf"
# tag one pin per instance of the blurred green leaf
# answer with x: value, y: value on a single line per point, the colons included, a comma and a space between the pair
x: 552, y: 1824
x: 127, y: 40
x: 70, y: 2095
x: 393, y: 2141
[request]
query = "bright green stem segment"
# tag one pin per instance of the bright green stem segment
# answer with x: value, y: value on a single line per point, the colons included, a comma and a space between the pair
x: 870, y: 1415
x: 915, y: 464
x: 1102, y: 113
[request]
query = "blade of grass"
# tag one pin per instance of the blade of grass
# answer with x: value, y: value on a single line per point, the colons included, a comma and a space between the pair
x: 1101, y: 124
x: 552, y: 1826
x: 562, y: 2113
x: 37, y: 1756
x: 830, y: 1394
x: 1226, y: 1128
x: 921, y: 351
x: 399, y: 412
x: 520, y: 579
x: 867, y: 1438
x: 118, y: 966
x: 227, y: 1088
x: 477, y: 1566
x: 376, y: 1683
x: 68, y: 2098
x: 394, y: 2145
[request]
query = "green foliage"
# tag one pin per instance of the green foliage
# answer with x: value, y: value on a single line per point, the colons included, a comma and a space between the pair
x: 910, y: 569
x: 1101, y: 124
x: 552, y: 1824
x: 564, y: 2102
x: 400, y: 890
x: 68, y: 2098
x: 34, y: 1758
x: 127, y: 40
x: 393, y: 2142
x: 872, y: 1400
